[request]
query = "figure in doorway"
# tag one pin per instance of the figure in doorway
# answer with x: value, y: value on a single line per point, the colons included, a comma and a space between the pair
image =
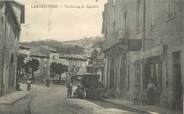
x: 151, y: 92
x: 136, y: 96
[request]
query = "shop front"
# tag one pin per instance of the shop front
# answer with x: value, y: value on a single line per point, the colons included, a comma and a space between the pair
x: 153, y: 75
x: 148, y: 72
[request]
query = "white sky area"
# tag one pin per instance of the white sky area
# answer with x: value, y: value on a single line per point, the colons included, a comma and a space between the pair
x: 62, y: 24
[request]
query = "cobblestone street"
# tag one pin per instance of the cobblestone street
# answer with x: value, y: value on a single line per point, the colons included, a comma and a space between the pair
x: 53, y: 100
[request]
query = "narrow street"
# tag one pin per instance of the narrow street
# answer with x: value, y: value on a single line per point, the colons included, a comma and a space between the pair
x: 53, y: 100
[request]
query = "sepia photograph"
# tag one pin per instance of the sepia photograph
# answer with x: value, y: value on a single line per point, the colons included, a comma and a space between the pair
x: 91, y: 56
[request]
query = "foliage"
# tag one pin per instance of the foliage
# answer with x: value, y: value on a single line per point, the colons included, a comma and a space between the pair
x: 33, y: 64
x: 58, y: 68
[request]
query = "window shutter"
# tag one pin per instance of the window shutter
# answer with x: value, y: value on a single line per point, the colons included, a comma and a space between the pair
x: 113, y: 3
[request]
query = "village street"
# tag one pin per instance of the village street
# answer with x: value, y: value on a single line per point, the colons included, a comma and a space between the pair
x: 52, y: 100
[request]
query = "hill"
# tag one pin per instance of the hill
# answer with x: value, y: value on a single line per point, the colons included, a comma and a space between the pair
x: 67, y: 47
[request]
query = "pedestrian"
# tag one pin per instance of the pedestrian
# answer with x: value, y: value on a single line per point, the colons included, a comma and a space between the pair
x: 29, y: 84
x: 143, y: 97
x: 136, y: 96
x: 47, y: 81
x: 151, y: 92
x: 80, y: 92
x: 69, y: 89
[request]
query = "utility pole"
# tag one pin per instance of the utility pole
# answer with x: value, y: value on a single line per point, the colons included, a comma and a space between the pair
x: 144, y: 25
x: 2, y: 37
x: 143, y: 43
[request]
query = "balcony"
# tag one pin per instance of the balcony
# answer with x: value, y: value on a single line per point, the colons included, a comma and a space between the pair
x: 119, y: 34
x: 114, y: 38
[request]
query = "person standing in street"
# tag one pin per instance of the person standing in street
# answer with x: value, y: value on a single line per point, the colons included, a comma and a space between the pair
x: 47, y: 82
x: 69, y: 86
x: 29, y: 84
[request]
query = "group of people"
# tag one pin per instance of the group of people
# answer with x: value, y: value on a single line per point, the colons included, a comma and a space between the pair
x: 147, y: 96
x: 29, y: 81
x: 78, y: 93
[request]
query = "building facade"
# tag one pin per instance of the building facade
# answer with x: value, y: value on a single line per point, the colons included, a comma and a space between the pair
x: 119, y: 23
x: 159, y: 24
x: 11, y: 17
x: 76, y: 63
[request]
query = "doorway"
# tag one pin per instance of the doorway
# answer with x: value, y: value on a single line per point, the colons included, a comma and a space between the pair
x: 178, y: 89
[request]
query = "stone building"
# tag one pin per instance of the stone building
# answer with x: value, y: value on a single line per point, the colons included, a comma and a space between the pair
x: 163, y: 53
x: 77, y: 63
x: 11, y: 17
x: 119, y: 27
x: 159, y: 24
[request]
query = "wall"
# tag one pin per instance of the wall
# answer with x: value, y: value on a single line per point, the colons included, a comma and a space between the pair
x: 164, y: 27
x: 8, y: 49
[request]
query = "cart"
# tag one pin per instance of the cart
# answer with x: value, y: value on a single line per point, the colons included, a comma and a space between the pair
x: 91, y: 85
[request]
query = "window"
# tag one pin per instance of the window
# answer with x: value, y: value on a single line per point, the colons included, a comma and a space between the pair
x: 114, y: 26
x: 171, y: 9
x: 113, y: 3
x: 53, y: 57
x: 139, y: 15
x: 153, y: 14
x: 12, y: 58
x: 126, y: 21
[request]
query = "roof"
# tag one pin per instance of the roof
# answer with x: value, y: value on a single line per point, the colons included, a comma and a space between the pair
x: 73, y: 57
x: 24, y: 46
x: 37, y: 53
x: 49, y: 49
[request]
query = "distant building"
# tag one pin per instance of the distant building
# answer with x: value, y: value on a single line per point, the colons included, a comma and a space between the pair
x: 97, y: 63
x: 33, y: 53
x: 11, y: 17
x: 24, y: 50
x: 76, y: 63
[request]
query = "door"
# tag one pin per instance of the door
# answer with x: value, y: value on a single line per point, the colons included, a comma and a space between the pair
x: 178, y: 101
x: 112, y: 74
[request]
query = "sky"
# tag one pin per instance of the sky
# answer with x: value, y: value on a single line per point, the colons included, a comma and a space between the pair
x: 61, y: 20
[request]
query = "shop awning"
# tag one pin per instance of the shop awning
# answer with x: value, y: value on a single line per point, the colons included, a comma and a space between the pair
x: 155, y: 51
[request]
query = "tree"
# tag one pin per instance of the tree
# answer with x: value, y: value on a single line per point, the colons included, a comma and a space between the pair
x: 20, y: 66
x: 58, y: 68
x: 33, y: 64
